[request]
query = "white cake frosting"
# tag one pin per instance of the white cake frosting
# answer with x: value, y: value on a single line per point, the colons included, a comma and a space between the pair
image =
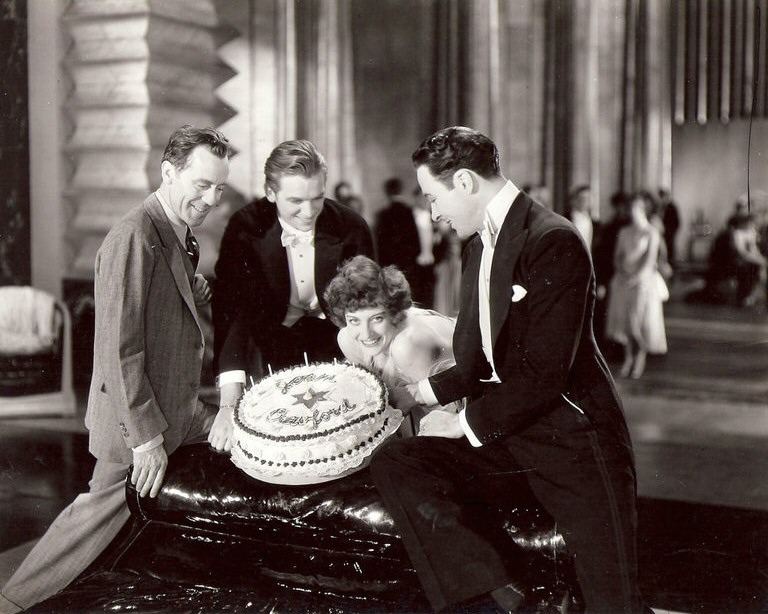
x: 311, y: 423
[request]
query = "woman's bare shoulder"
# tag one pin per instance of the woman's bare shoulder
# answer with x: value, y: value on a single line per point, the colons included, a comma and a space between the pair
x: 421, y: 332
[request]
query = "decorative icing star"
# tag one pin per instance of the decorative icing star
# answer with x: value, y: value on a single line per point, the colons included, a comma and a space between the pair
x: 310, y: 397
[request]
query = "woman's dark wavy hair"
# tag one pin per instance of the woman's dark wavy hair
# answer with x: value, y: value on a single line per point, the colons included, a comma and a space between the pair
x: 454, y: 148
x: 361, y: 283
x: 185, y: 138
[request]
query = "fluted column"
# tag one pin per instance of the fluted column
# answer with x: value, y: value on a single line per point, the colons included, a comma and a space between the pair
x: 264, y: 92
x: 140, y: 68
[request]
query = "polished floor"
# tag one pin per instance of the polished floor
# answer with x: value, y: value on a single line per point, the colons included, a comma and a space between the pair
x: 699, y: 422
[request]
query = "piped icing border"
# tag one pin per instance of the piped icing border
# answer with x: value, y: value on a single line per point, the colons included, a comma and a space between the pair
x: 318, y: 461
x: 383, y: 399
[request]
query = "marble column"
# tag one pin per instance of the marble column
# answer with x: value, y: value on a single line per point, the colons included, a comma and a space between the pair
x: 139, y: 69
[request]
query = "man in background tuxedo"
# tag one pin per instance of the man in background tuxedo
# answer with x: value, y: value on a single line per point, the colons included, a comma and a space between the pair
x: 148, y: 354
x: 541, y: 399
x: 277, y: 256
x: 401, y: 241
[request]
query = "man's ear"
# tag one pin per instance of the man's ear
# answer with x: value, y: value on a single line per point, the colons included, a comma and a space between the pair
x: 463, y: 180
x: 270, y: 194
x: 167, y: 172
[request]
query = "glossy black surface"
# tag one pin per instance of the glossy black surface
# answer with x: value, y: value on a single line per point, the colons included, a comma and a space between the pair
x: 216, y: 540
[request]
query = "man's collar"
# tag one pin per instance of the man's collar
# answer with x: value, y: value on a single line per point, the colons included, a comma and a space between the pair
x: 295, y: 231
x: 497, y: 209
x: 178, y: 225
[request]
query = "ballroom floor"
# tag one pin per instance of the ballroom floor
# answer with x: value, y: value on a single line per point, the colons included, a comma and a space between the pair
x: 699, y: 421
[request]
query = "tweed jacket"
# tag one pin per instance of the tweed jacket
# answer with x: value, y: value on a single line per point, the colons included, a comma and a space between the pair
x: 148, y: 346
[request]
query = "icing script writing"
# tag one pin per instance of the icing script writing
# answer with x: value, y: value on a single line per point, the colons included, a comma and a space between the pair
x: 295, y: 381
x: 315, y: 419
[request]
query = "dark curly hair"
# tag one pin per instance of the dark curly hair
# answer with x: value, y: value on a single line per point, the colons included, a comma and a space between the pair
x: 454, y: 148
x: 361, y: 283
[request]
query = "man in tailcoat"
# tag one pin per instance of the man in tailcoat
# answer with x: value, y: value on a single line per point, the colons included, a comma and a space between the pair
x: 277, y: 256
x: 541, y: 401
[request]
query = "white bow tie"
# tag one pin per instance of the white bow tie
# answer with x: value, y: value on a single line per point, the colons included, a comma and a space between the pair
x: 290, y: 239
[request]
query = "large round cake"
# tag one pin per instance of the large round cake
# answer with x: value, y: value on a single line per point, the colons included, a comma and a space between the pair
x: 311, y: 423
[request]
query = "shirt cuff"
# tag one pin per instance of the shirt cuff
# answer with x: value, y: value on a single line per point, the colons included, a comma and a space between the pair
x: 230, y: 377
x: 151, y: 444
x: 426, y: 392
x: 467, y: 430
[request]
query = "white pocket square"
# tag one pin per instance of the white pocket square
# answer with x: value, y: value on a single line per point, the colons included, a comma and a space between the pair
x: 518, y: 293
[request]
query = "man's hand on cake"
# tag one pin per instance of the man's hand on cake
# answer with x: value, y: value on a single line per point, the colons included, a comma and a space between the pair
x: 149, y: 470
x: 438, y: 423
x: 220, y: 436
x: 201, y: 290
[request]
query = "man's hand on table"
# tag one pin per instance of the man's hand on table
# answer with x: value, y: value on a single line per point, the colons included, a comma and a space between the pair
x: 149, y: 470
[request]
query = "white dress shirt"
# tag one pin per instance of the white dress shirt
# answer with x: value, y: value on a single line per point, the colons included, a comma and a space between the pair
x: 495, y: 214
x: 300, y: 249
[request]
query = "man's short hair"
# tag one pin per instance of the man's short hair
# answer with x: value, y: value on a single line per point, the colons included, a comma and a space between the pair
x: 454, y: 148
x: 299, y: 157
x: 186, y: 138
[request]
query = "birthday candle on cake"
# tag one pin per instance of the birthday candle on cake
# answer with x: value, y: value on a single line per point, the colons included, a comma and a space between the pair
x: 269, y: 368
x: 306, y: 360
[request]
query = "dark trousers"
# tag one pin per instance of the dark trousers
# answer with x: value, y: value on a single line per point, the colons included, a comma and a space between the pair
x: 437, y: 490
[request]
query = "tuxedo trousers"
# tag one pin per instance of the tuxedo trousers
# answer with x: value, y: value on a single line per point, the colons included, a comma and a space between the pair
x: 441, y: 491
x: 83, y: 529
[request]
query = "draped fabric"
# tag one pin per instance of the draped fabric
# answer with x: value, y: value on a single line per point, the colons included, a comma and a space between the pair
x: 646, y: 154
x: 720, y: 58
x: 326, y: 97
x: 573, y: 92
x: 296, y: 62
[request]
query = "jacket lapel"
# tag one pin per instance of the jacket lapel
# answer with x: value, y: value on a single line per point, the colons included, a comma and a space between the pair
x: 509, y: 245
x: 171, y: 252
x: 275, y: 260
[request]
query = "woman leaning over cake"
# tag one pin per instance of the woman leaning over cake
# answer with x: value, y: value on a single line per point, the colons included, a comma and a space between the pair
x: 382, y: 330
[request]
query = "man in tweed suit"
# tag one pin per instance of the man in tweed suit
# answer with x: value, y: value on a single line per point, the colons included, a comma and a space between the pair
x: 148, y: 352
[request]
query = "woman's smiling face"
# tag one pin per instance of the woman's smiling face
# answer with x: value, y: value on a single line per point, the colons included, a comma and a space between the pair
x: 372, y: 328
